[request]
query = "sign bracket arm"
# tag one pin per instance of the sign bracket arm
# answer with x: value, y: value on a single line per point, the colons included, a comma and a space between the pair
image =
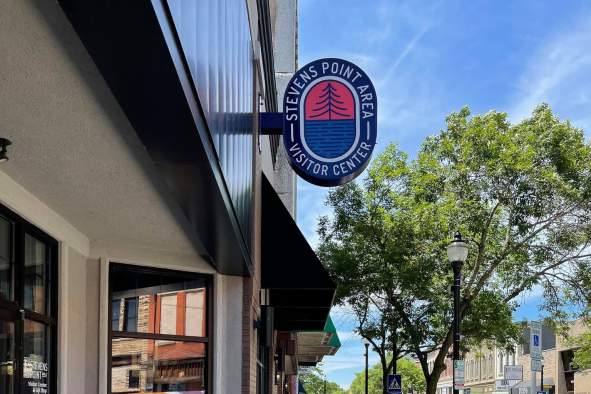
x: 271, y: 123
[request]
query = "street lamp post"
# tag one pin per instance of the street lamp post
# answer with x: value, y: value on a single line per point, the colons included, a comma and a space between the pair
x: 366, y: 344
x: 457, y: 252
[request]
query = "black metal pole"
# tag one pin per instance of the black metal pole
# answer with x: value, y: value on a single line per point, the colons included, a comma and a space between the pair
x: 395, y: 350
x: 542, y: 378
x: 457, y: 267
x: 366, y: 368
x: 324, y: 386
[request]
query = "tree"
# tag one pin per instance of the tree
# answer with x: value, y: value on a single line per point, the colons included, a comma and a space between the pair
x: 315, y: 382
x: 412, y: 377
x: 582, y: 343
x: 521, y: 195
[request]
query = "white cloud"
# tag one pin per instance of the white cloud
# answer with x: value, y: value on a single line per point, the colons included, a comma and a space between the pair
x: 558, y: 73
x: 408, y: 48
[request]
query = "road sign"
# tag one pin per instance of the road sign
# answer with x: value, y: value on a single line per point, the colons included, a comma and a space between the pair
x: 535, y: 342
x: 504, y: 384
x: 459, y: 374
x: 536, y: 365
x: 394, y: 384
x: 513, y: 372
x: 542, y: 392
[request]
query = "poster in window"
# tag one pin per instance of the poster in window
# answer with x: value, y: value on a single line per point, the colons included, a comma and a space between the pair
x: 35, y: 376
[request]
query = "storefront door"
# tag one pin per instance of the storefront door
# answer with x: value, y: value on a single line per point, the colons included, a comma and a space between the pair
x: 7, y: 351
x: 27, y: 307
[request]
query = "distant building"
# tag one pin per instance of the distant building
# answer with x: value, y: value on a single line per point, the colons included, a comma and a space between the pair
x: 485, y: 367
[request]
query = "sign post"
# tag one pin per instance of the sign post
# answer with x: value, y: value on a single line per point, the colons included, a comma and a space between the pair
x: 504, y: 384
x: 458, y: 374
x: 535, y: 343
x: 394, y: 384
x: 513, y: 372
x: 535, y: 351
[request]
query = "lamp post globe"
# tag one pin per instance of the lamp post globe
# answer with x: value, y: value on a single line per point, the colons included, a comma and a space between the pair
x: 457, y: 253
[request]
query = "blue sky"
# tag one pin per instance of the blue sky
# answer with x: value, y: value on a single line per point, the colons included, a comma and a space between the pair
x: 429, y: 58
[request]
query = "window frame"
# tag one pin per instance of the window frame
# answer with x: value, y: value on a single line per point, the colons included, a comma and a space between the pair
x: 208, y: 340
x: 15, y: 309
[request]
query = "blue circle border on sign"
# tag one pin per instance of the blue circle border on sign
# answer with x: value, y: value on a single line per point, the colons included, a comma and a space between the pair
x: 309, y: 163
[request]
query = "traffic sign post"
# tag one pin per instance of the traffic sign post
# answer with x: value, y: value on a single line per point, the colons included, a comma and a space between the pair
x: 536, y: 365
x: 513, y: 372
x: 504, y: 384
x: 535, y: 343
x: 394, y: 384
x: 458, y: 374
x: 535, y: 351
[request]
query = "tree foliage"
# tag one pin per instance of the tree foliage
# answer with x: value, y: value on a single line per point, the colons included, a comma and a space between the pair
x: 315, y: 382
x: 412, y: 378
x: 521, y: 195
x: 582, y: 345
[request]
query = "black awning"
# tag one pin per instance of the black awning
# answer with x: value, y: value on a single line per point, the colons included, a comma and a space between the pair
x: 301, y: 290
x: 136, y: 49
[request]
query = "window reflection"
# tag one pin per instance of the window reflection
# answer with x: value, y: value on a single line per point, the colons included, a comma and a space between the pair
x: 145, y: 306
x: 159, y: 337
x: 6, y: 357
x: 153, y: 366
x: 195, y: 311
x: 6, y: 265
x: 35, y: 274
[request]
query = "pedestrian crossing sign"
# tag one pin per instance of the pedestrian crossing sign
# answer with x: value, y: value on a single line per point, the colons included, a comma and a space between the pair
x: 394, y: 384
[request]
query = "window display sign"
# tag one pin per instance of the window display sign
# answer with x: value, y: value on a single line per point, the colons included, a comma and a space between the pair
x: 35, y: 376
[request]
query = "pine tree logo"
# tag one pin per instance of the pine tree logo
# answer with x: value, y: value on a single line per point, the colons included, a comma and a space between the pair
x: 329, y: 127
x: 329, y: 104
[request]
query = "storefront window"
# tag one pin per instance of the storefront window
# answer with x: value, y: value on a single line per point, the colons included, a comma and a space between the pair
x: 35, y: 274
x: 28, y: 263
x: 6, y: 265
x: 160, y: 336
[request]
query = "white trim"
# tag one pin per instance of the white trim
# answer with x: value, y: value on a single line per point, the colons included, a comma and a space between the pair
x: 104, y: 318
x: 27, y: 205
x: 62, y: 356
x: 103, y: 326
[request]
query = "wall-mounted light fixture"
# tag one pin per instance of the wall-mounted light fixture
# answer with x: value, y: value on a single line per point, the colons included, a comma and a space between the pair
x: 3, y: 144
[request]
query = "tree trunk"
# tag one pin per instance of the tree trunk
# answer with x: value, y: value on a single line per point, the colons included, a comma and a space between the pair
x: 384, y: 362
x: 432, y: 381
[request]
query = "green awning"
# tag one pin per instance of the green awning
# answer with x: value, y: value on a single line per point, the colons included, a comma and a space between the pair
x: 312, y: 346
x: 330, y: 328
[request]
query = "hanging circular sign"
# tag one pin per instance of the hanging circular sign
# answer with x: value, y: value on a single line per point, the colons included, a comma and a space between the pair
x: 329, y: 121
